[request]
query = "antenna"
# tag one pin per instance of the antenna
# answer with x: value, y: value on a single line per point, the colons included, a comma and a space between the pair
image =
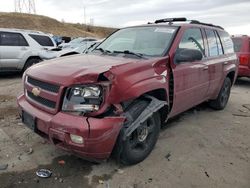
x: 25, y: 6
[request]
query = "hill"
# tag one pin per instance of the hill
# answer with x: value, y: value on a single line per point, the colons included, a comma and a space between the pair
x: 50, y: 25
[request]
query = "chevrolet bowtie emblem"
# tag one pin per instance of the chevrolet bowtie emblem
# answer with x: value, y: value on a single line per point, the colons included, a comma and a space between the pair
x: 36, y: 91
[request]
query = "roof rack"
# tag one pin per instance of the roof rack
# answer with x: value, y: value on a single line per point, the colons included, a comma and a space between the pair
x: 183, y: 19
x: 170, y: 20
x: 207, y: 24
x: 23, y: 30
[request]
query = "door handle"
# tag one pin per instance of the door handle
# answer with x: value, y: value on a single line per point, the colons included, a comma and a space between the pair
x: 205, y: 68
x: 23, y: 48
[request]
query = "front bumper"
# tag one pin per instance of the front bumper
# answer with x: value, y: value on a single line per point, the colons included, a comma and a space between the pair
x: 99, y: 134
x: 244, y: 71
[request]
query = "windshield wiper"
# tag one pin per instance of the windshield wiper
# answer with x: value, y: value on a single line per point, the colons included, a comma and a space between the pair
x: 102, y: 50
x: 131, y: 53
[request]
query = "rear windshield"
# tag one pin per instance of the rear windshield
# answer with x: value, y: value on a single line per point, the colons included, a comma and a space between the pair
x: 237, y: 44
x: 42, y: 40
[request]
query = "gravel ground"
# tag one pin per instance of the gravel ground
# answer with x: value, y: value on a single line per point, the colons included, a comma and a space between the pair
x: 199, y: 148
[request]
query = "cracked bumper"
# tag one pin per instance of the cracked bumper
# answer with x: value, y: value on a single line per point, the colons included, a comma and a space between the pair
x: 99, y: 134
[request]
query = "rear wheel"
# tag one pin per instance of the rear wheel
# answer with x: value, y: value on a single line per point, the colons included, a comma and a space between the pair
x: 137, y: 146
x: 221, y: 101
x: 30, y: 62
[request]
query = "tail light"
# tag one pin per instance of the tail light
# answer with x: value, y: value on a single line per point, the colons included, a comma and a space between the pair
x: 244, y: 60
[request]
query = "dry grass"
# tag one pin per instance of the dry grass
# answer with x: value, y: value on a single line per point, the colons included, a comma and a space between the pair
x: 49, y: 25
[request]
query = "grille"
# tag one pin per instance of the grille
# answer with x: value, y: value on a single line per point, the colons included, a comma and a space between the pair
x: 43, y: 101
x: 43, y: 85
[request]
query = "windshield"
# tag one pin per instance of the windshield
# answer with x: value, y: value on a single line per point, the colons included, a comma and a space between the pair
x: 149, y: 41
x: 77, y: 40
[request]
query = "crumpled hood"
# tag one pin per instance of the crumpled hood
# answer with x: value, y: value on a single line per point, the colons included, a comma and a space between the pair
x: 75, y: 69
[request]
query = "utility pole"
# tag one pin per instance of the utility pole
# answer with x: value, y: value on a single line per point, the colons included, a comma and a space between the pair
x: 25, y: 6
x: 85, y: 19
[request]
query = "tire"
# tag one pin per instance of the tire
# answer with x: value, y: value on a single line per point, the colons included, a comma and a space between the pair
x: 141, y: 142
x: 30, y: 62
x: 221, y: 101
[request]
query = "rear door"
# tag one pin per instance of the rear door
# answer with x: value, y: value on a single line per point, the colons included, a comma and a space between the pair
x: 230, y: 59
x: 13, y: 46
x: 214, y: 61
x: 191, y: 80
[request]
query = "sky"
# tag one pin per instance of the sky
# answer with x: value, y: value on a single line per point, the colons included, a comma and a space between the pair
x: 233, y: 15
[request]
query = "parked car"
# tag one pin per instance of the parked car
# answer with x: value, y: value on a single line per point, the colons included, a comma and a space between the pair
x: 94, y: 45
x: 82, y: 48
x: 59, y: 39
x: 115, y: 99
x: 242, y: 48
x: 76, y: 42
x: 19, y: 49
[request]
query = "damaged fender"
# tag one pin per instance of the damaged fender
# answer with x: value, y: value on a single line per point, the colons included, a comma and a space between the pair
x: 132, y: 125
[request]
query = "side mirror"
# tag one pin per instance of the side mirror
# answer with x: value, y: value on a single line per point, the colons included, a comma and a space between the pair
x: 187, y: 55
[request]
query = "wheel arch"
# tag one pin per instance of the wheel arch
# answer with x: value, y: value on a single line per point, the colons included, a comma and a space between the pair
x: 161, y: 94
x: 30, y: 57
x: 231, y: 76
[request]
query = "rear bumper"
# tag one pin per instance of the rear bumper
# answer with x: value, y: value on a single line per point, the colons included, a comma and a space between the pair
x: 99, y: 134
x: 244, y: 71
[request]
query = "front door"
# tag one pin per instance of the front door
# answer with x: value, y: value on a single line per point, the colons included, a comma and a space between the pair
x: 191, y: 79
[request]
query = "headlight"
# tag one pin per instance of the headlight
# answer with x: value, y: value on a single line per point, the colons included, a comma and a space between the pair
x: 82, y: 99
x: 87, y: 92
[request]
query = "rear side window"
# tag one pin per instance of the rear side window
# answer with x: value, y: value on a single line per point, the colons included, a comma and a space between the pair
x: 237, y: 44
x: 227, y: 42
x: 42, y: 40
x: 192, y: 39
x: 12, y: 39
x: 212, y: 43
x: 220, y: 49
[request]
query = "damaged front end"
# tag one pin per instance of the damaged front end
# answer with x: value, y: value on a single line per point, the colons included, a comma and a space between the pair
x: 88, y: 111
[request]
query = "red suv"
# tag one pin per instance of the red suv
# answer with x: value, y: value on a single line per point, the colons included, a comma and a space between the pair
x: 242, y: 48
x: 115, y: 99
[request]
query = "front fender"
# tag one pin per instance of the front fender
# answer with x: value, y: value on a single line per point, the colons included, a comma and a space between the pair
x: 145, y: 86
x: 138, y: 80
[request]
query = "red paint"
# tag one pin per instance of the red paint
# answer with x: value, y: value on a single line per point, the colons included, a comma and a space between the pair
x: 243, y: 53
x: 128, y: 79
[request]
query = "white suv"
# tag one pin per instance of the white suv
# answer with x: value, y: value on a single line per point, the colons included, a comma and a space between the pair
x: 19, y: 49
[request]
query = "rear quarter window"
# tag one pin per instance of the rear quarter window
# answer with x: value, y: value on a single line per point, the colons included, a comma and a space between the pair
x: 227, y: 42
x: 42, y: 40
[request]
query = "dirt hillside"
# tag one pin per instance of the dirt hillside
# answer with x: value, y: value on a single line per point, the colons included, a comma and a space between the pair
x: 50, y: 25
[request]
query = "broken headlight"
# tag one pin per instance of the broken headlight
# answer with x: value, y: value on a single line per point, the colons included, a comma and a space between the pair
x: 82, y: 99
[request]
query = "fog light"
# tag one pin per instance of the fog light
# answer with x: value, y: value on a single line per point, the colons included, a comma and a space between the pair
x: 76, y: 139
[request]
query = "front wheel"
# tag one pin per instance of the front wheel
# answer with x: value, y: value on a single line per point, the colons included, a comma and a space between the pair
x: 137, y: 146
x: 221, y: 101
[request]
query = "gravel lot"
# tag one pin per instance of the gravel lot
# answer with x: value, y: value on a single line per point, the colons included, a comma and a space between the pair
x: 199, y: 148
